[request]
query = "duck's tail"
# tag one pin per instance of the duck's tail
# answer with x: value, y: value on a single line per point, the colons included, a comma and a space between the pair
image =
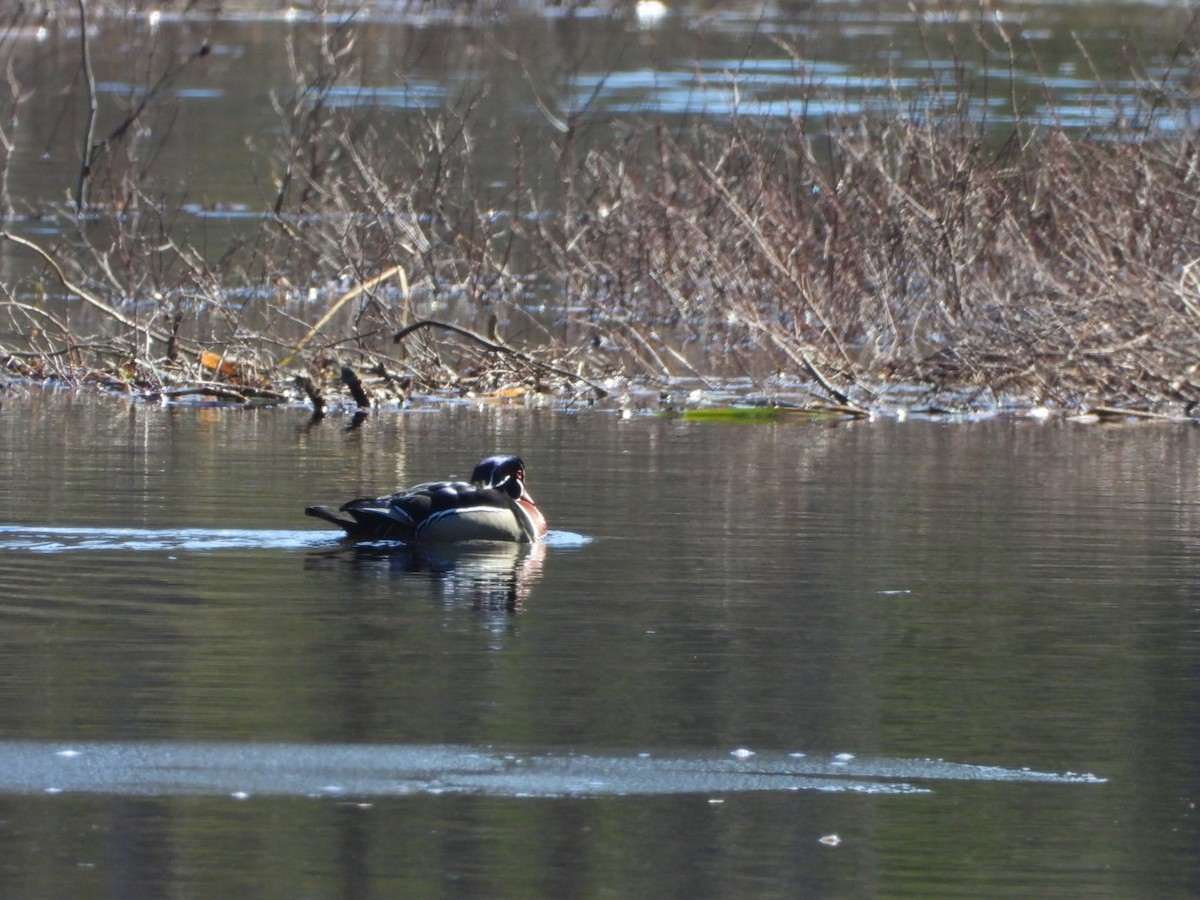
x: 362, y: 521
x: 335, y: 516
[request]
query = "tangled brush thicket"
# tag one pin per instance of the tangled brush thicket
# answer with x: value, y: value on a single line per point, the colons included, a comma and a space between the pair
x: 923, y: 254
x: 1063, y: 270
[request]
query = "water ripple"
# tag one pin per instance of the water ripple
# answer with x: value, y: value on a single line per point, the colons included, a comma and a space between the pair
x: 41, y: 539
x: 47, y: 539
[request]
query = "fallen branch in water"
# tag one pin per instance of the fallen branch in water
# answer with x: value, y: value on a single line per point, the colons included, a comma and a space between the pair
x: 220, y: 393
x: 496, y: 348
x: 313, y: 393
x: 1116, y: 413
x: 357, y: 391
x: 798, y: 356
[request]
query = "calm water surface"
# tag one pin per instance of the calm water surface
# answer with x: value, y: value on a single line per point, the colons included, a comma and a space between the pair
x: 203, y: 693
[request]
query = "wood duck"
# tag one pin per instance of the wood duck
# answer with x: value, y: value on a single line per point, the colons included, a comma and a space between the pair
x: 494, y: 506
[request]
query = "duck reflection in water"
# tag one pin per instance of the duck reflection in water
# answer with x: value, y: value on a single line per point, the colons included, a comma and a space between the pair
x: 486, y: 576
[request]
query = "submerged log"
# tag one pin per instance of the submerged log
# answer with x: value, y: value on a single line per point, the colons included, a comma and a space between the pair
x: 313, y: 393
x: 357, y: 391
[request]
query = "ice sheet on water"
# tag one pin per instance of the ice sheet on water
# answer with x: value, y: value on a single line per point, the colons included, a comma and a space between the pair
x: 162, y: 769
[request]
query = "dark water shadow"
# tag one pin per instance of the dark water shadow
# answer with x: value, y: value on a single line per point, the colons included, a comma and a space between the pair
x: 313, y: 770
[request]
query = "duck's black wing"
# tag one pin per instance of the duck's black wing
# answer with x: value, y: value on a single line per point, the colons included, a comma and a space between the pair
x: 403, y: 516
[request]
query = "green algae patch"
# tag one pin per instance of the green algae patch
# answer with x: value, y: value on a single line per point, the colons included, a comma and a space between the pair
x: 752, y: 415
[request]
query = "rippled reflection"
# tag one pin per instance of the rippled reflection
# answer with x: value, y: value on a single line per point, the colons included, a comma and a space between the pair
x: 484, y: 576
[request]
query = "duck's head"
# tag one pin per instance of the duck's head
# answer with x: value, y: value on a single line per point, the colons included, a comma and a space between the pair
x: 504, y: 473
